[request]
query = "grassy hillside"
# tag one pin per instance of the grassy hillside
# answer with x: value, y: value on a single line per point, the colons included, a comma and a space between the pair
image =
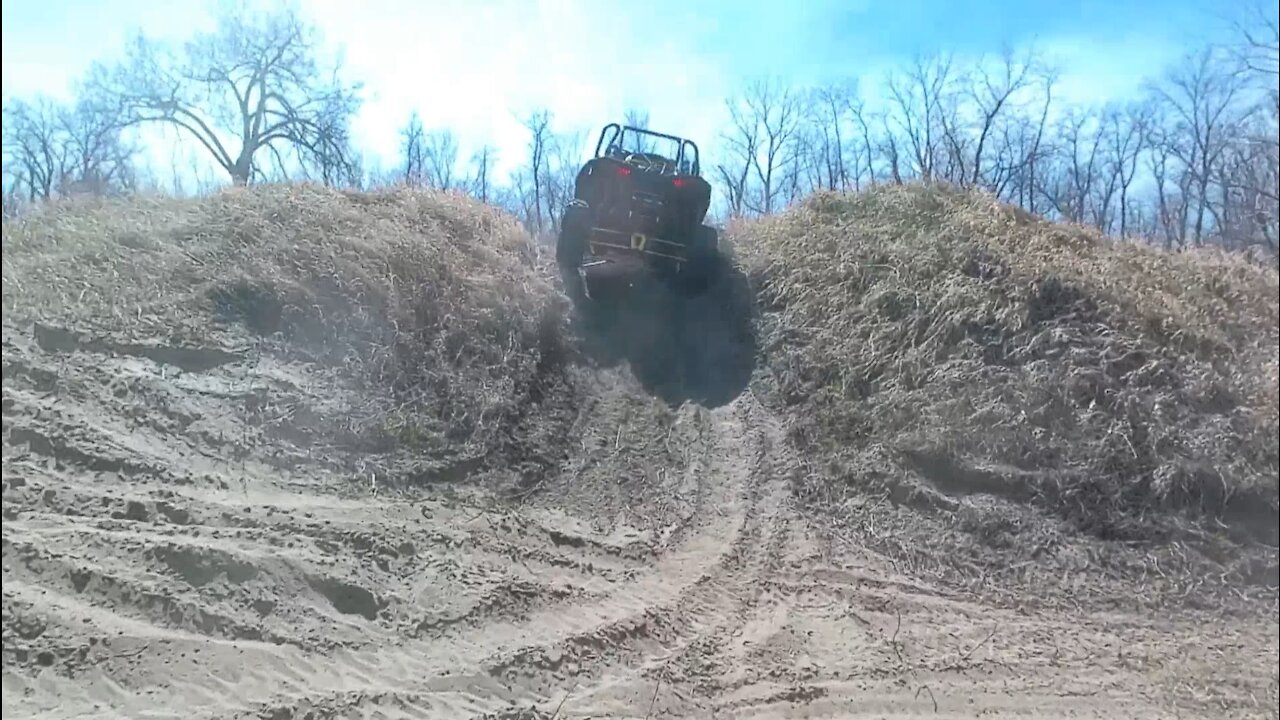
x: 957, y: 356
x: 969, y: 386
x: 428, y: 305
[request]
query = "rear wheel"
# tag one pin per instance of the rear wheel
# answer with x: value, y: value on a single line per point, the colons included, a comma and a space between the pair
x: 572, y: 241
x: 571, y: 245
x: 704, y: 254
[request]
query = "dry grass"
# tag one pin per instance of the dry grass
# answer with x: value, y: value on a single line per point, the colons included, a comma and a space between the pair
x: 430, y: 301
x: 953, y: 354
x: 942, y: 344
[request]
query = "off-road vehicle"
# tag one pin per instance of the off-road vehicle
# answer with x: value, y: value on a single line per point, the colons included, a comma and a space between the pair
x: 638, y: 210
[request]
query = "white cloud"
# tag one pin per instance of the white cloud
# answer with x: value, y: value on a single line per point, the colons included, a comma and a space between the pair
x: 478, y: 67
x: 48, y: 44
x: 1093, y: 73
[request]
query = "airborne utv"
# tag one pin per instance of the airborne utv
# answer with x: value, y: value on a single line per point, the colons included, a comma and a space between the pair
x: 638, y: 208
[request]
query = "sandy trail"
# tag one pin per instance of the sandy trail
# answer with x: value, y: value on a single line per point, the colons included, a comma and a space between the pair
x: 157, y: 563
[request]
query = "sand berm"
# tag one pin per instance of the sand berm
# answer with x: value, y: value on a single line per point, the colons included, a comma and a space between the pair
x: 289, y: 452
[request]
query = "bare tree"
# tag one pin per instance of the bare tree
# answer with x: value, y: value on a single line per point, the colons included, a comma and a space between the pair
x: 868, y: 147
x: 482, y: 162
x: 916, y: 108
x: 253, y: 84
x: 51, y: 149
x: 34, y: 153
x: 637, y: 118
x: 993, y: 93
x: 1125, y: 129
x: 99, y: 159
x: 1023, y: 155
x: 1250, y: 182
x: 413, y: 150
x: 779, y: 112
x: 11, y: 203
x: 1258, y: 45
x: 1073, y: 182
x: 441, y: 160
x: 430, y: 158
x: 1207, y: 135
x: 562, y: 161
x: 537, y: 192
x: 740, y: 144
x: 824, y: 141
x: 766, y: 119
x: 1250, y: 169
x: 1201, y: 94
x: 1169, y: 218
x: 538, y: 124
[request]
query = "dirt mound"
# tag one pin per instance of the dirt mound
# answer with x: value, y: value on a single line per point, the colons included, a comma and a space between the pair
x: 290, y: 453
x: 426, y: 307
x: 1021, y: 382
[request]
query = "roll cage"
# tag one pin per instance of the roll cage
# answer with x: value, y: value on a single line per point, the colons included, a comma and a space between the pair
x: 685, y: 162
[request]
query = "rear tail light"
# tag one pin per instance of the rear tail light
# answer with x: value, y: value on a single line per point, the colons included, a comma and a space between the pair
x: 678, y: 182
x: 624, y: 171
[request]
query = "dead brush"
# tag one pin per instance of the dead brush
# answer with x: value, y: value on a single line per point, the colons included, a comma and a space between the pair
x: 942, y: 343
x: 428, y: 301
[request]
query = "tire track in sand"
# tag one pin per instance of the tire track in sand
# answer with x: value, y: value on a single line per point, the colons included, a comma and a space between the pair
x: 670, y: 634
x: 666, y: 621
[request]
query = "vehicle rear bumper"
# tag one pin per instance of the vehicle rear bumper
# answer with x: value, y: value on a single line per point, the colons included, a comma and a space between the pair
x: 607, y: 243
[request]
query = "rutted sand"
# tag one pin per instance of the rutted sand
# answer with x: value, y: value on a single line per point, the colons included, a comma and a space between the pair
x: 157, y: 566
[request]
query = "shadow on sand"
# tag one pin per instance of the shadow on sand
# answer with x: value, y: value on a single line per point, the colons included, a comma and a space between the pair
x: 700, y: 349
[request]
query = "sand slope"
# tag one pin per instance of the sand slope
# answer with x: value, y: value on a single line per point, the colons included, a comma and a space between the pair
x: 184, y: 538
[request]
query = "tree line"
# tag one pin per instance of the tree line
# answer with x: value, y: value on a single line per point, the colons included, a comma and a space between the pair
x: 1193, y: 160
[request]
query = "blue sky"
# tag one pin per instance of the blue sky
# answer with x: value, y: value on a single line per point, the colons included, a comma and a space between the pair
x: 474, y: 65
